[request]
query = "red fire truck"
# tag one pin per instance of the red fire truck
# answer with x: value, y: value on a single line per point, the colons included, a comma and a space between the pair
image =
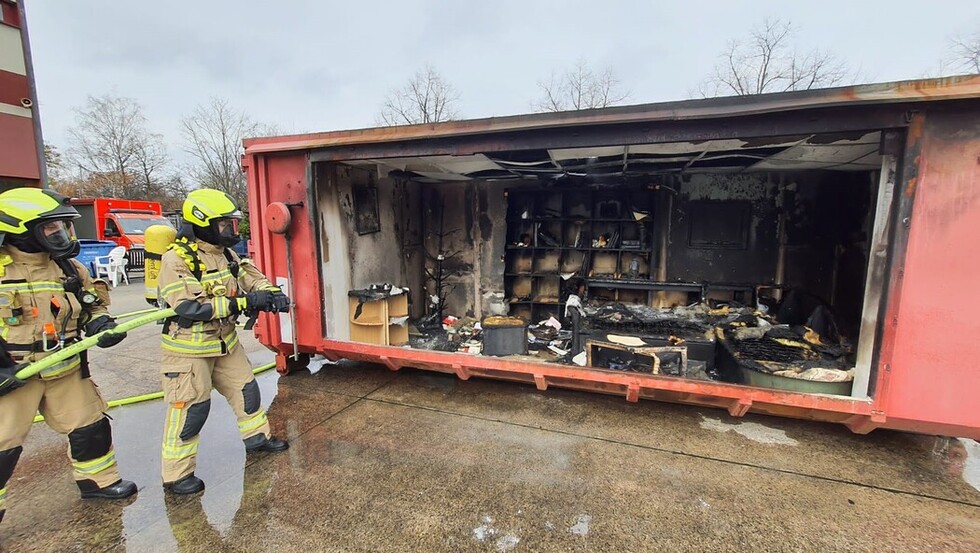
x: 121, y: 221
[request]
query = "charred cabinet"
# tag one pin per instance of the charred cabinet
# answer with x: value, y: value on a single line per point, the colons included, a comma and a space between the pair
x: 567, y: 241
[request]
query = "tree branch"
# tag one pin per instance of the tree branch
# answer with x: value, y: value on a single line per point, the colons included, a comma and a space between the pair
x: 580, y: 87
x: 768, y: 62
x: 426, y: 98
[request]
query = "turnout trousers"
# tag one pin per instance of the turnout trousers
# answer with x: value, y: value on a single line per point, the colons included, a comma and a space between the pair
x: 71, y: 405
x: 187, y: 384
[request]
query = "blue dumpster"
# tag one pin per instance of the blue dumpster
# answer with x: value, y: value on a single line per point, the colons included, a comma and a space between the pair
x: 241, y: 248
x: 92, y: 249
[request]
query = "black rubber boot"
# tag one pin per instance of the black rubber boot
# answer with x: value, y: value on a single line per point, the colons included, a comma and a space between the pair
x: 121, y: 489
x: 260, y: 443
x: 185, y: 486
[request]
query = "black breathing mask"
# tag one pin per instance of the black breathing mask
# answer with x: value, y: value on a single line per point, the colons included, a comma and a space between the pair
x: 220, y: 232
x: 57, y: 237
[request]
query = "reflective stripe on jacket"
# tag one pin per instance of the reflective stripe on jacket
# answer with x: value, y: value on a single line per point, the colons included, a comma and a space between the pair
x: 32, y: 300
x: 210, y: 332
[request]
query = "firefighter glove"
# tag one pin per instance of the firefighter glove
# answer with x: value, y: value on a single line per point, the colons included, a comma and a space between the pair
x: 102, y: 324
x: 8, y: 371
x: 253, y: 302
x: 8, y: 379
x: 280, y: 302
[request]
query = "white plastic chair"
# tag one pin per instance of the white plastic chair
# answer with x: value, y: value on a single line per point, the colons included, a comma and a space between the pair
x: 113, y: 266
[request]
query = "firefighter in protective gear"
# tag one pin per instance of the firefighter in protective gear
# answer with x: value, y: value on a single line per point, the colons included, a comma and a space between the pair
x: 46, y: 299
x: 209, y: 286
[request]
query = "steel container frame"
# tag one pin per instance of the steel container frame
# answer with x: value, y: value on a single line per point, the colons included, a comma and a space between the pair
x: 923, y: 377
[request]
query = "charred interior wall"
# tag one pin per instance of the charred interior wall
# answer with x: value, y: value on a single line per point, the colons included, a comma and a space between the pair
x: 829, y: 216
x: 371, y: 229
x: 491, y: 220
x: 334, y: 253
x: 407, y: 202
x: 724, y: 229
x: 470, y: 218
x: 727, y: 229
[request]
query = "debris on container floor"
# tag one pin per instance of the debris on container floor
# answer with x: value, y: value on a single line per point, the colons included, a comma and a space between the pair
x: 549, y: 341
x: 684, y: 341
x: 434, y: 340
x: 762, y: 345
x: 504, y: 336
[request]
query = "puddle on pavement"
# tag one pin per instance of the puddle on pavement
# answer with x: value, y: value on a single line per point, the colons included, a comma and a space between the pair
x: 752, y: 430
x: 971, y: 466
x: 502, y: 541
x: 158, y: 522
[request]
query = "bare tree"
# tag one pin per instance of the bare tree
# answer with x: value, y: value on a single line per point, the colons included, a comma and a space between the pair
x: 168, y: 189
x: 965, y: 53
x: 54, y: 161
x: 580, y: 88
x: 427, y: 98
x: 213, y: 135
x: 171, y: 192
x: 150, y: 161
x: 112, y: 151
x: 768, y: 61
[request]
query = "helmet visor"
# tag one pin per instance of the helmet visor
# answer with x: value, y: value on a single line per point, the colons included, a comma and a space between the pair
x: 58, y: 238
x: 226, y: 229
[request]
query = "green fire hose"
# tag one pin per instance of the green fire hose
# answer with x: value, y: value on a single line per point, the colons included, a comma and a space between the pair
x: 147, y: 316
x: 135, y: 313
x: 82, y: 345
x: 157, y: 395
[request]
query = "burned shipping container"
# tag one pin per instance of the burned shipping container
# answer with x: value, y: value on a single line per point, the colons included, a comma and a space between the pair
x: 803, y: 254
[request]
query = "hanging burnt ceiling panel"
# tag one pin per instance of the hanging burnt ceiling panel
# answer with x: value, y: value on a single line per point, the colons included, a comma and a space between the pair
x: 856, y: 156
x: 851, y: 152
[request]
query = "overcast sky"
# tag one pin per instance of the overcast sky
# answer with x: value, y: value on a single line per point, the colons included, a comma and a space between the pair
x: 317, y: 65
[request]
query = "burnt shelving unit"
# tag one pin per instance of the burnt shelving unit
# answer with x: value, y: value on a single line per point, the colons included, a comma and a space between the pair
x: 600, y: 236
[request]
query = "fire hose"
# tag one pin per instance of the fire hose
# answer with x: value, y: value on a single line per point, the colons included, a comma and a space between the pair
x: 154, y: 310
x: 157, y: 395
x: 147, y: 316
x: 82, y: 345
x: 135, y: 313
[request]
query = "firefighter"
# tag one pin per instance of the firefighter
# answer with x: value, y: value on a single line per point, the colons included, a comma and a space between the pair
x: 209, y: 286
x: 46, y: 299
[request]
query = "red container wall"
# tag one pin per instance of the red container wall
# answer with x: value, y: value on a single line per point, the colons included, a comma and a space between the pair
x: 932, y: 381
x: 19, y: 156
x: 283, y: 178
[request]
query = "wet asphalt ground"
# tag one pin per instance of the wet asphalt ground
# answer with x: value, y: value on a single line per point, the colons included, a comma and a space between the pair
x: 417, y: 461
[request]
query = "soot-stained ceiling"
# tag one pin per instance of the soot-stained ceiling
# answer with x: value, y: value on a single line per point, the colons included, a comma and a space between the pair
x: 836, y: 152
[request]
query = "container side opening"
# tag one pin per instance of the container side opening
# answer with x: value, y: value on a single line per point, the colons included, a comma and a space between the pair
x: 738, y: 261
